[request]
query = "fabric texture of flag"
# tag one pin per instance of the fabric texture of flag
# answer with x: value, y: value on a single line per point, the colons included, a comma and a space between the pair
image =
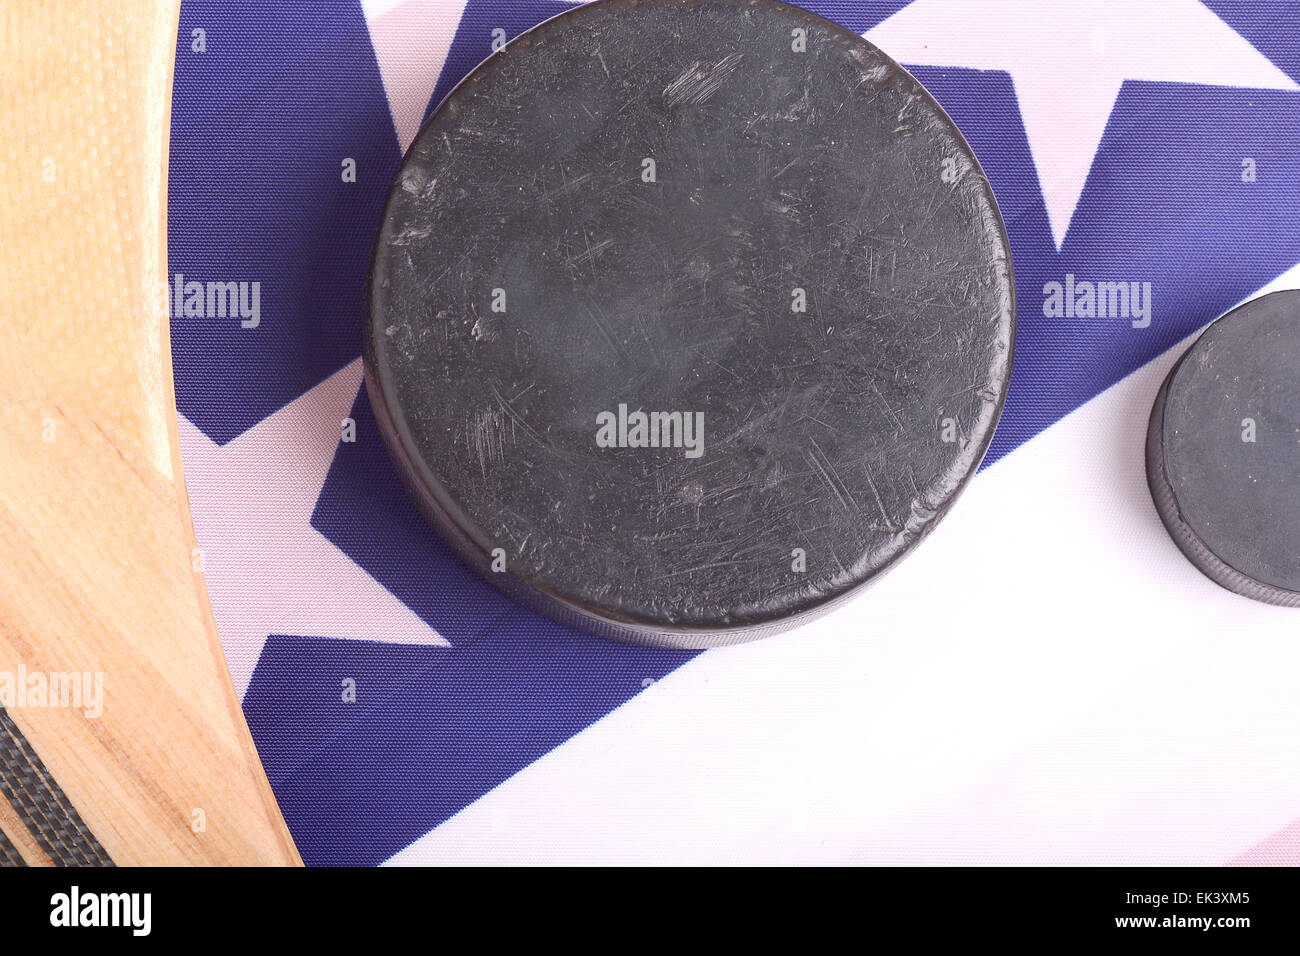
x: 1108, y: 704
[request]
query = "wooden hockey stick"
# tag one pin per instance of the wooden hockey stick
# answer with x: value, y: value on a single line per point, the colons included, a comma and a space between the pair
x: 101, y: 584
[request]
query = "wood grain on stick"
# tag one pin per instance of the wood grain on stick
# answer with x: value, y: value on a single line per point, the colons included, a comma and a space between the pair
x: 100, y: 574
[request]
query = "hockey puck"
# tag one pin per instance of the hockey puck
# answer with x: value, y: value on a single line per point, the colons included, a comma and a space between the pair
x: 688, y: 318
x: 1223, y: 450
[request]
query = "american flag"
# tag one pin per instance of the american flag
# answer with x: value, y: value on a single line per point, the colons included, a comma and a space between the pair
x: 1107, y: 703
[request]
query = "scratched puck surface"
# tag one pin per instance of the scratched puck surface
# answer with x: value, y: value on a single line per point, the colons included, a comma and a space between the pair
x: 1223, y: 450
x: 688, y: 319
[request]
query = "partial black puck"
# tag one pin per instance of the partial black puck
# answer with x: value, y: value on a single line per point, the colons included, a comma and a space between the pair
x: 1223, y: 450
x: 688, y: 318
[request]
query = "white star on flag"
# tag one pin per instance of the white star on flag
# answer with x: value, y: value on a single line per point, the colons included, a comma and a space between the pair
x: 268, y: 571
x: 411, y: 39
x: 1068, y: 62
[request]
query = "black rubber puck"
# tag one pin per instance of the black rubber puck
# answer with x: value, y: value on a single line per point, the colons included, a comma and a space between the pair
x: 688, y: 318
x: 1223, y: 450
